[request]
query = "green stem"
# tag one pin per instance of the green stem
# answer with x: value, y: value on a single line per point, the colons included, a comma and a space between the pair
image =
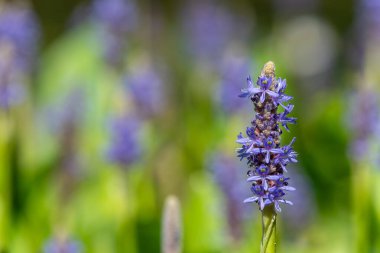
x: 361, y: 185
x: 268, y: 241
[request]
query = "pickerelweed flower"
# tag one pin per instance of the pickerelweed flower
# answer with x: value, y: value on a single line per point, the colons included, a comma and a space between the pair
x: 297, y: 221
x: 19, y: 31
x: 233, y: 70
x: 56, y: 245
x: 230, y: 182
x: 209, y: 28
x: 261, y: 148
x: 116, y: 18
x: 124, y: 148
x: 364, y: 121
x: 18, y: 42
x: 147, y: 88
x: 266, y: 159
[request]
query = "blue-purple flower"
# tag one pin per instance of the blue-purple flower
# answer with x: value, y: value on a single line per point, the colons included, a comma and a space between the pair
x: 263, y: 88
x: 369, y: 11
x: 364, y: 121
x: 288, y: 155
x: 230, y: 182
x: 124, y: 148
x: 18, y: 47
x: 147, y: 88
x: 265, y: 157
x: 284, y: 119
x: 115, y: 18
x: 209, y: 29
x: 11, y: 94
x: 232, y: 72
x: 19, y: 28
x: 56, y: 245
x: 116, y: 15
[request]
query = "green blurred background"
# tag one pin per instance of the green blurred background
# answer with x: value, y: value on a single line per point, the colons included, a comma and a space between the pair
x: 73, y: 170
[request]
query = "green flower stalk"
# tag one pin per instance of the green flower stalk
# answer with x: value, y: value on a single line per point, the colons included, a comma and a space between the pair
x: 268, y: 241
x: 266, y: 159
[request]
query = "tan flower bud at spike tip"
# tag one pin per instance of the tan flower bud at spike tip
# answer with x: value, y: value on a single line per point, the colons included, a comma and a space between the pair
x: 269, y: 69
x: 171, y: 233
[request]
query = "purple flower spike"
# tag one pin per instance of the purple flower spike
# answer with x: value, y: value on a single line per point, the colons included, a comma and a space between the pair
x: 364, y: 123
x: 147, y: 84
x: 115, y: 18
x: 232, y: 72
x: 19, y: 28
x: 125, y: 147
x: 231, y: 183
x: 18, y: 47
x: 262, y: 147
x: 62, y: 246
x: 116, y: 15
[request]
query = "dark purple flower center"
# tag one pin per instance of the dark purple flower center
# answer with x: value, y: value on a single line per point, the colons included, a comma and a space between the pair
x: 269, y: 143
x: 264, y: 82
x: 262, y: 170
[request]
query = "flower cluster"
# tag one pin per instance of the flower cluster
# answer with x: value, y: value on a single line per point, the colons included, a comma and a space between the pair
x: 19, y: 32
x: 209, y: 28
x: 124, y: 148
x: 231, y: 185
x: 364, y: 121
x: 266, y: 158
x: 57, y: 245
x: 18, y: 43
x: 116, y: 18
x: 146, y: 84
x: 232, y: 72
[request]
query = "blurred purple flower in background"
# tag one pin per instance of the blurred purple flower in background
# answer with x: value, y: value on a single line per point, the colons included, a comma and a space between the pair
x: 19, y: 35
x: 146, y: 85
x: 209, y: 29
x: 62, y: 246
x: 364, y: 120
x: 297, y: 220
x: 370, y: 16
x: 116, y: 18
x: 69, y: 116
x: 231, y: 71
x: 124, y: 148
x: 11, y: 94
x: 117, y: 15
x: 63, y: 119
x: 19, y: 28
x: 230, y: 181
x: 67, y: 112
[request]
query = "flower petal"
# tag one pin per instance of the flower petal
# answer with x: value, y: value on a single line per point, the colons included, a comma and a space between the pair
x: 251, y: 199
x: 288, y: 188
x: 277, y: 206
x: 272, y: 93
x: 262, y: 97
x: 253, y: 178
x: 267, y: 157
